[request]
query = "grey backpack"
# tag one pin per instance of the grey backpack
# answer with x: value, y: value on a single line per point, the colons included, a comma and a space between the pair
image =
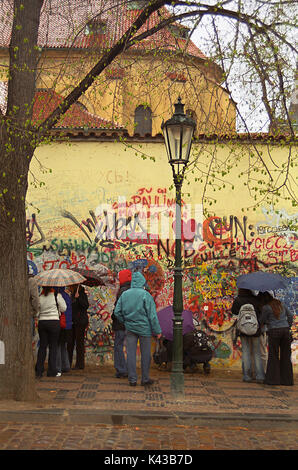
x: 247, y: 322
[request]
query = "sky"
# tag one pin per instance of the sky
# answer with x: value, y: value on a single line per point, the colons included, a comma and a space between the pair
x: 245, y: 92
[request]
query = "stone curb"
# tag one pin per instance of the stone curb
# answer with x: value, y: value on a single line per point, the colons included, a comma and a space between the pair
x: 137, y: 418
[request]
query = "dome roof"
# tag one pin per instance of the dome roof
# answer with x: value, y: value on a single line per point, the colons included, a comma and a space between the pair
x: 82, y: 24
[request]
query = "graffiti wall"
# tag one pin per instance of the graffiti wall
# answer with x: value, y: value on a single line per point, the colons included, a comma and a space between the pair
x: 120, y: 213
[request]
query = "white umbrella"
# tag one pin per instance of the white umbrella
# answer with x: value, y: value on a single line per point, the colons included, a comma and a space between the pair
x: 59, y: 278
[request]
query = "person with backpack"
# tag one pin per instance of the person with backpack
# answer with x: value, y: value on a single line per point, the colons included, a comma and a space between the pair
x: 246, y: 307
x: 279, y: 321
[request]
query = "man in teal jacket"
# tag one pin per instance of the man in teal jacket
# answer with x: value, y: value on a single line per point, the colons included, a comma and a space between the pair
x: 136, y: 309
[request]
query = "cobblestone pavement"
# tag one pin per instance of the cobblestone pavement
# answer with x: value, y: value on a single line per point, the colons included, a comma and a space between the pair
x: 93, y: 410
x: 15, y: 436
x: 219, y: 393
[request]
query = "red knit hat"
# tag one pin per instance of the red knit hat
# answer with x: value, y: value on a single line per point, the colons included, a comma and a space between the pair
x: 124, y: 276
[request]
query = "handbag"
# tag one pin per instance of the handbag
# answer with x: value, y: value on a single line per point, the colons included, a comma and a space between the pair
x: 62, y: 320
x: 62, y: 317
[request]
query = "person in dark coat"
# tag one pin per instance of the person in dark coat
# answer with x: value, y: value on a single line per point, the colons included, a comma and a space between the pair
x: 251, y: 348
x: 80, y: 320
x: 279, y: 321
x: 65, y: 336
x: 120, y: 362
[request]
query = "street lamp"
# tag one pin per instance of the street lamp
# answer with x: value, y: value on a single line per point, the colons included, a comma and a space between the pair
x: 178, y: 132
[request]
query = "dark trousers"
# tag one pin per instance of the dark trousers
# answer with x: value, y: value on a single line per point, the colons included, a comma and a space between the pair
x: 77, y: 339
x: 48, y: 331
x: 279, y: 368
x: 62, y: 352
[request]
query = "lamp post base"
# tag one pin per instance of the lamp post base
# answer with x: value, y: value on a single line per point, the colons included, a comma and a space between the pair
x: 177, y: 385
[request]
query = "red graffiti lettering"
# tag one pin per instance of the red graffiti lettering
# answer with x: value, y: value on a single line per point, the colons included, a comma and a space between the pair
x: 208, y: 235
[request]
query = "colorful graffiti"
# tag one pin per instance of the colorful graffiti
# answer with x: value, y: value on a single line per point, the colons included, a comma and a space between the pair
x: 215, y: 251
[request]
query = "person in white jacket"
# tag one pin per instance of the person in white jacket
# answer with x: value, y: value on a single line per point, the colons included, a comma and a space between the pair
x: 48, y: 330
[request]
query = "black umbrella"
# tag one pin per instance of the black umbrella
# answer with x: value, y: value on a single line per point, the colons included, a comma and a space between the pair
x: 93, y: 278
x: 262, y: 281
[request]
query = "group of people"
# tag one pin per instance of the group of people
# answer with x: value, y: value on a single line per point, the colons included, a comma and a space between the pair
x: 60, y: 340
x: 267, y: 352
x: 274, y: 326
x: 135, y: 319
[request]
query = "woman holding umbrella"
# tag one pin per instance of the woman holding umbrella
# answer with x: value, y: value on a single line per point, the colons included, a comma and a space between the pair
x: 49, y: 330
x: 279, y: 321
x: 49, y: 322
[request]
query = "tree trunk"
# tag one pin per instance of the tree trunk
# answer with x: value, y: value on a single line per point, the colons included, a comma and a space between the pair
x: 17, y: 146
x: 17, y: 373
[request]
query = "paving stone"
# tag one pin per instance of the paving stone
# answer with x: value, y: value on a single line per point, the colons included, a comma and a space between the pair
x: 93, y: 410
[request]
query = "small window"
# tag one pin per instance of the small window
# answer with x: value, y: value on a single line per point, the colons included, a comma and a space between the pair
x: 96, y: 26
x: 143, y: 120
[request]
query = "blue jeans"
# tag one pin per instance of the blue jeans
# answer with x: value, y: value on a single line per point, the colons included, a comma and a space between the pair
x: 119, y: 357
x: 131, y: 347
x: 251, y: 345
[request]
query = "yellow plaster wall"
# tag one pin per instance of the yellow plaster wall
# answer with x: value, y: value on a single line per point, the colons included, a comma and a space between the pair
x: 85, y: 175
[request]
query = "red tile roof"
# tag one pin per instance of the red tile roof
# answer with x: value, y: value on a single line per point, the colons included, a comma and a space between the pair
x: 63, y: 24
x: 45, y: 102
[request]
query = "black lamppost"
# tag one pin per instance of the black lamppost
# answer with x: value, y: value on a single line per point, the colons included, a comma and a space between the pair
x: 178, y: 132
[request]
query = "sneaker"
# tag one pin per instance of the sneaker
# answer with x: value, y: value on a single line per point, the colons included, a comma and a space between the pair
x: 58, y: 374
x: 149, y: 382
x: 118, y: 375
x: 132, y: 384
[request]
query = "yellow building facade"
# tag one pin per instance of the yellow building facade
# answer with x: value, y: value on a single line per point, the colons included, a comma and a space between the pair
x: 145, y: 80
x: 137, y: 90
